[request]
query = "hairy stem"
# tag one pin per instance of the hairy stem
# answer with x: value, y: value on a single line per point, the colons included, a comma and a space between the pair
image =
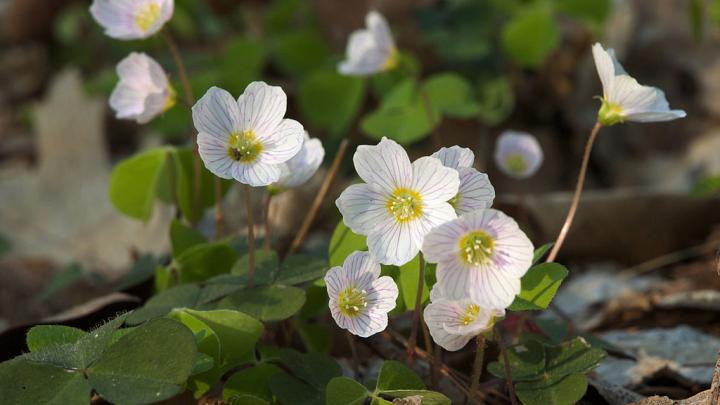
x: 251, y: 237
x: 412, y: 341
x: 576, y: 196
x: 477, y: 366
x: 506, y: 363
x: 354, y: 353
x: 319, y: 197
x: 266, y: 213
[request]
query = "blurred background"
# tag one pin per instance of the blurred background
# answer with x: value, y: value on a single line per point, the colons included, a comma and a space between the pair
x: 526, y: 65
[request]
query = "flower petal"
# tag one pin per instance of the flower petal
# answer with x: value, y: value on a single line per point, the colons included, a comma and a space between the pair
x: 455, y: 157
x: 363, y: 208
x: 256, y: 174
x: 441, y: 244
x: 385, y: 164
x: 493, y: 287
x: 214, y: 155
x: 475, y: 192
x: 361, y: 270
x: 436, y: 314
x: 216, y: 114
x: 262, y: 108
x: 284, y: 142
x: 380, y: 30
x: 302, y: 166
x: 434, y: 182
x: 605, y: 67
x: 335, y: 281
x: 392, y: 243
x: 383, y: 294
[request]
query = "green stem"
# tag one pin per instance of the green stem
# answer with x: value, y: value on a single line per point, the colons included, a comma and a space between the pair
x: 251, y: 237
x: 412, y: 341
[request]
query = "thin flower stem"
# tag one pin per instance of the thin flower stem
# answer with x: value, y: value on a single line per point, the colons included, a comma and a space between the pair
x: 189, y: 101
x: 251, y: 237
x: 319, y: 197
x: 412, y: 341
x: 429, y: 349
x: 219, y: 213
x: 576, y: 196
x: 354, y: 353
x: 477, y: 366
x: 506, y: 363
x: 266, y: 213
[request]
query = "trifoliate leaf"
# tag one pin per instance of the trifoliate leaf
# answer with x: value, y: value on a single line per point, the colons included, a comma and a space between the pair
x: 538, y: 287
x: 344, y: 242
x: 345, y: 391
x: 134, y: 182
x: 44, y: 336
x: 271, y: 303
x: 25, y: 382
x: 530, y: 36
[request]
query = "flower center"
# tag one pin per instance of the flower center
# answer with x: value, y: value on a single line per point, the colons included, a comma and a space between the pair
x: 476, y: 247
x: 471, y: 313
x: 404, y: 204
x: 610, y: 113
x: 516, y: 163
x: 244, y: 147
x: 392, y: 60
x: 352, y: 301
x: 146, y: 17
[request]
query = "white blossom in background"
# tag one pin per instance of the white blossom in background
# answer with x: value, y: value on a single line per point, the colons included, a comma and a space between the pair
x: 370, y: 50
x: 359, y: 298
x: 132, y: 19
x: 453, y: 323
x: 143, y: 91
x: 480, y: 256
x: 247, y: 139
x: 399, y: 203
x: 518, y: 154
x: 624, y: 99
x: 298, y: 170
x: 475, y: 190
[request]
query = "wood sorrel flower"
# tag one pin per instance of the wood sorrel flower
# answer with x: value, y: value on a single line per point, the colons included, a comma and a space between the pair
x: 247, y: 139
x: 624, y: 99
x: 475, y: 190
x: 399, y: 203
x: 371, y: 50
x: 480, y: 256
x: 132, y: 19
x: 452, y: 323
x: 302, y: 166
x: 518, y: 154
x: 359, y: 298
x: 143, y: 91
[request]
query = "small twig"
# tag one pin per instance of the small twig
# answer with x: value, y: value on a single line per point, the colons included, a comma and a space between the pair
x: 251, y: 237
x: 353, y: 351
x: 576, y: 196
x: 412, y: 341
x: 219, y: 213
x: 670, y: 258
x: 506, y: 361
x: 477, y: 366
x: 266, y: 213
x: 322, y: 192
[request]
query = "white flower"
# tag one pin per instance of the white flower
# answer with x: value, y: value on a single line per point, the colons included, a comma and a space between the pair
x: 452, y: 323
x: 475, y: 190
x: 247, y: 139
x: 302, y: 166
x: 399, y: 203
x: 143, y: 91
x: 359, y: 300
x: 480, y: 256
x: 371, y: 50
x: 624, y: 99
x: 132, y: 19
x: 518, y: 154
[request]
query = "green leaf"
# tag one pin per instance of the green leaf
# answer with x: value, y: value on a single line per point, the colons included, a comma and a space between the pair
x: 183, y: 237
x: 451, y: 94
x: 202, y: 364
x: 183, y: 167
x: 220, y: 286
x: 345, y: 391
x: 403, y: 116
x: 68, y: 276
x: 428, y: 397
x: 270, y: 303
x: 25, y: 382
x: 157, y: 306
x: 208, y: 345
x: 595, y: 11
x: 539, y: 286
x: 134, y: 183
x: 142, y: 270
x: 291, y: 391
x: 266, y: 265
x: 530, y: 36
x: 527, y: 361
x: 496, y: 99
x: 81, y: 353
x: 204, y: 261
x: 408, y: 283
x: 43, y: 336
x: 5, y: 245
x: 567, y: 391
x: 149, y: 364
x: 395, y: 376
x: 708, y: 185
x: 574, y: 356
x: 344, y: 242
x: 246, y: 399
x: 329, y: 100
x: 297, y: 53
x: 241, y: 63
x: 540, y: 252
x: 315, y: 369
x: 254, y: 381
x: 316, y: 337
x: 298, y: 269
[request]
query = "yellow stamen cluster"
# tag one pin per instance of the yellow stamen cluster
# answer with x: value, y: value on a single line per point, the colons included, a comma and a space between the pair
x: 146, y: 16
x: 244, y: 147
x: 516, y: 163
x: 352, y: 301
x: 404, y: 204
x: 476, y: 247
x: 610, y: 113
x: 171, y: 98
x: 471, y: 313
x: 392, y: 61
